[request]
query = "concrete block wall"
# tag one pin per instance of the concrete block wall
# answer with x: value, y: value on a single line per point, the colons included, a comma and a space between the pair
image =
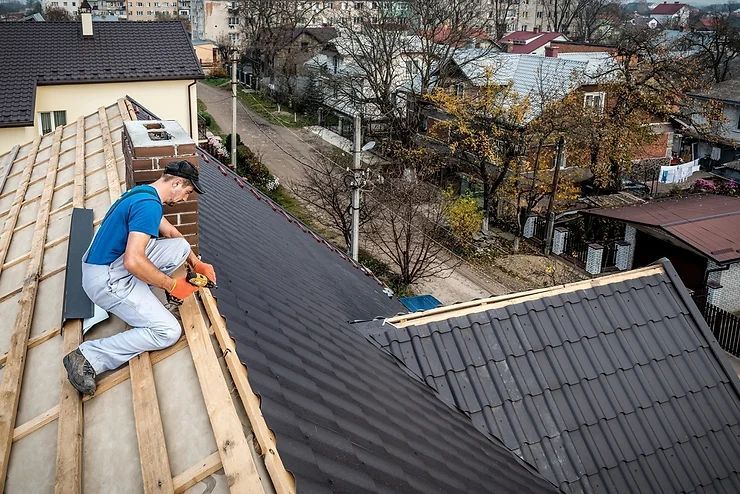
x: 593, y: 258
x: 727, y: 297
x: 148, y: 147
x: 630, y: 236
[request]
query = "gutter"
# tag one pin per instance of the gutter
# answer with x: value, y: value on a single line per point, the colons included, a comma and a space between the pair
x: 190, y: 110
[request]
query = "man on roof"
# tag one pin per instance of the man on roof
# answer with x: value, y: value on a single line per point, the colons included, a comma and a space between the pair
x: 136, y: 248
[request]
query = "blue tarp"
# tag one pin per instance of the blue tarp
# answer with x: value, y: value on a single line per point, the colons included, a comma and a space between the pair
x: 420, y: 302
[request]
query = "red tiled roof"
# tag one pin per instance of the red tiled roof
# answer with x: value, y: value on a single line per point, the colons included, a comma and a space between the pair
x: 708, y: 223
x: 533, y: 40
x: 667, y: 8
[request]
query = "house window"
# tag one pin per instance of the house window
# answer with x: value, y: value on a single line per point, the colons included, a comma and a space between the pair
x: 459, y: 90
x: 738, y: 121
x: 50, y: 120
x: 233, y: 37
x: 525, y: 15
x: 594, y: 101
x: 524, y: 27
x: 539, y: 15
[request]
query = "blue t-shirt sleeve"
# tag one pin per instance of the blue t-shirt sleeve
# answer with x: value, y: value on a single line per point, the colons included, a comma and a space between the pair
x: 145, y: 217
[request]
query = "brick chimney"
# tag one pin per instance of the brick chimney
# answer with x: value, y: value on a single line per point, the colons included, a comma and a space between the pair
x: 148, y: 147
x: 552, y: 51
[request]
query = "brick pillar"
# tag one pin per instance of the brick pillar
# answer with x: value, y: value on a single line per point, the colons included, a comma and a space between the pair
x: 624, y: 251
x: 630, y: 236
x: 593, y: 258
x: 559, y: 238
x: 529, y: 227
x: 148, y: 147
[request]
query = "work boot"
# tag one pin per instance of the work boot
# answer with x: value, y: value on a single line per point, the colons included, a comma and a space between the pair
x: 79, y: 372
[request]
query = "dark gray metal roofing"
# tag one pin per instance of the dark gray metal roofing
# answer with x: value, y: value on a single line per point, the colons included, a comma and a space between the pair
x: 346, y: 415
x: 43, y: 53
x: 619, y: 388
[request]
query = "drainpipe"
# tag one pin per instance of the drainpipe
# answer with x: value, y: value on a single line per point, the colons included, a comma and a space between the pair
x: 190, y: 110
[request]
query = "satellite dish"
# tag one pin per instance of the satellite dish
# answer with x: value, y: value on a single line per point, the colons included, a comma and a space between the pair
x: 368, y: 146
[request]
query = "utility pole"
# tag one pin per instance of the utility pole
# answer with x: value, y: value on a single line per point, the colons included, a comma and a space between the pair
x: 357, y: 170
x: 553, y: 192
x: 233, y: 108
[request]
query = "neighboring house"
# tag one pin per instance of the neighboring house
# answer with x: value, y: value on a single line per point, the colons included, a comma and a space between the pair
x: 529, y: 42
x: 320, y: 409
x: 719, y: 141
x: 610, y: 385
x: 295, y: 47
x: 674, y: 15
x: 218, y: 20
x: 207, y: 53
x: 700, y: 234
x: 54, y: 73
x: 146, y: 10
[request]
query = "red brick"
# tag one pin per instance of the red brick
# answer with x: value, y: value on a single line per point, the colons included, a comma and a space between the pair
x: 188, y: 229
x: 188, y: 217
x: 182, y: 207
x: 185, y: 149
x: 146, y: 176
x: 153, y: 151
x: 192, y: 159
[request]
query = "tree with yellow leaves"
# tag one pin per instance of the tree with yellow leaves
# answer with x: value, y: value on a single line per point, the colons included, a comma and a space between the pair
x: 487, y: 133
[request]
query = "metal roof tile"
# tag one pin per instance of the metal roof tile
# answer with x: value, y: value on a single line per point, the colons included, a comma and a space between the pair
x: 618, y: 382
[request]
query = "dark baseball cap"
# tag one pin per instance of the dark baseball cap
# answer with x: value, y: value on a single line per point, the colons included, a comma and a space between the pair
x: 184, y: 169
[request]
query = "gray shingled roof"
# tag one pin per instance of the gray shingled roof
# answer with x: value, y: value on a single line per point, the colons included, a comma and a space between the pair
x: 614, y: 388
x: 347, y: 417
x: 44, y: 53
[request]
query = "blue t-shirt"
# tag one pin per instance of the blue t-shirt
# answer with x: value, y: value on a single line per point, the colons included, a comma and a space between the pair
x: 138, y: 210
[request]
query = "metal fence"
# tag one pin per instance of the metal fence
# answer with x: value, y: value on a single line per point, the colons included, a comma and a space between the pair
x: 575, y: 251
x: 540, y: 229
x: 724, y: 325
x: 609, y: 256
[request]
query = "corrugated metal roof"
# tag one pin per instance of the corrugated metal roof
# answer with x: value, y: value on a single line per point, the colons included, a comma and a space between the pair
x: 708, y: 223
x: 617, y: 388
x: 347, y: 417
x: 42, y: 53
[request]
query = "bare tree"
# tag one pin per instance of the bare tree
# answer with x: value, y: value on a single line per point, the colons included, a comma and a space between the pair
x: 270, y: 26
x: 561, y: 13
x: 715, y: 50
x: 326, y: 189
x: 403, y: 228
x: 595, y: 20
x: 55, y: 14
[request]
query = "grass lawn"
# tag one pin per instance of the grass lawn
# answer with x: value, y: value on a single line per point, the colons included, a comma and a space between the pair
x: 217, y: 81
x: 268, y: 109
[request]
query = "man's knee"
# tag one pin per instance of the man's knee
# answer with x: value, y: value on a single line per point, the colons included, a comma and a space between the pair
x: 167, y: 333
x: 183, y: 249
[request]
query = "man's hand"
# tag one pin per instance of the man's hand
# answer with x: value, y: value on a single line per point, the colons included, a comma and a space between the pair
x: 205, y: 269
x: 182, y: 289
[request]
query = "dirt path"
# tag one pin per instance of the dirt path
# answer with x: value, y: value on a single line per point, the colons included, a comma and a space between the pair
x: 280, y: 148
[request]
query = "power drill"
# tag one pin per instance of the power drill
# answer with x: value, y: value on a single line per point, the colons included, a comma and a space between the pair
x: 195, y: 279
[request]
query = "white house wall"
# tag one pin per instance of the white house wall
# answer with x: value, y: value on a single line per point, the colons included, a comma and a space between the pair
x: 166, y: 99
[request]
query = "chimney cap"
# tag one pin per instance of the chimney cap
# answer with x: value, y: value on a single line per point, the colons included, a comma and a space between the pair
x: 85, y: 7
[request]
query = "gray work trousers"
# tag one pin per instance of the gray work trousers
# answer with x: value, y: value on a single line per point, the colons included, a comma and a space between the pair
x: 114, y: 289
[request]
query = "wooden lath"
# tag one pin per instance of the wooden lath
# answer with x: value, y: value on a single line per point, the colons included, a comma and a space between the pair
x: 114, y: 182
x: 282, y: 480
x: 68, y: 477
x: 233, y: 448
x: 69, y: 433
x: 155, y: 463
x: 6, y: 164
x: 15, y: 209
x: 443, y: 313
x: 10, y: 386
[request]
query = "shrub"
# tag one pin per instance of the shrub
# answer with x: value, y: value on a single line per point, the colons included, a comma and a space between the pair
x: 463, y: 216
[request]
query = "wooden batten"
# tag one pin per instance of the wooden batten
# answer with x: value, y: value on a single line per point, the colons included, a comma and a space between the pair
x: 233, y: 448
